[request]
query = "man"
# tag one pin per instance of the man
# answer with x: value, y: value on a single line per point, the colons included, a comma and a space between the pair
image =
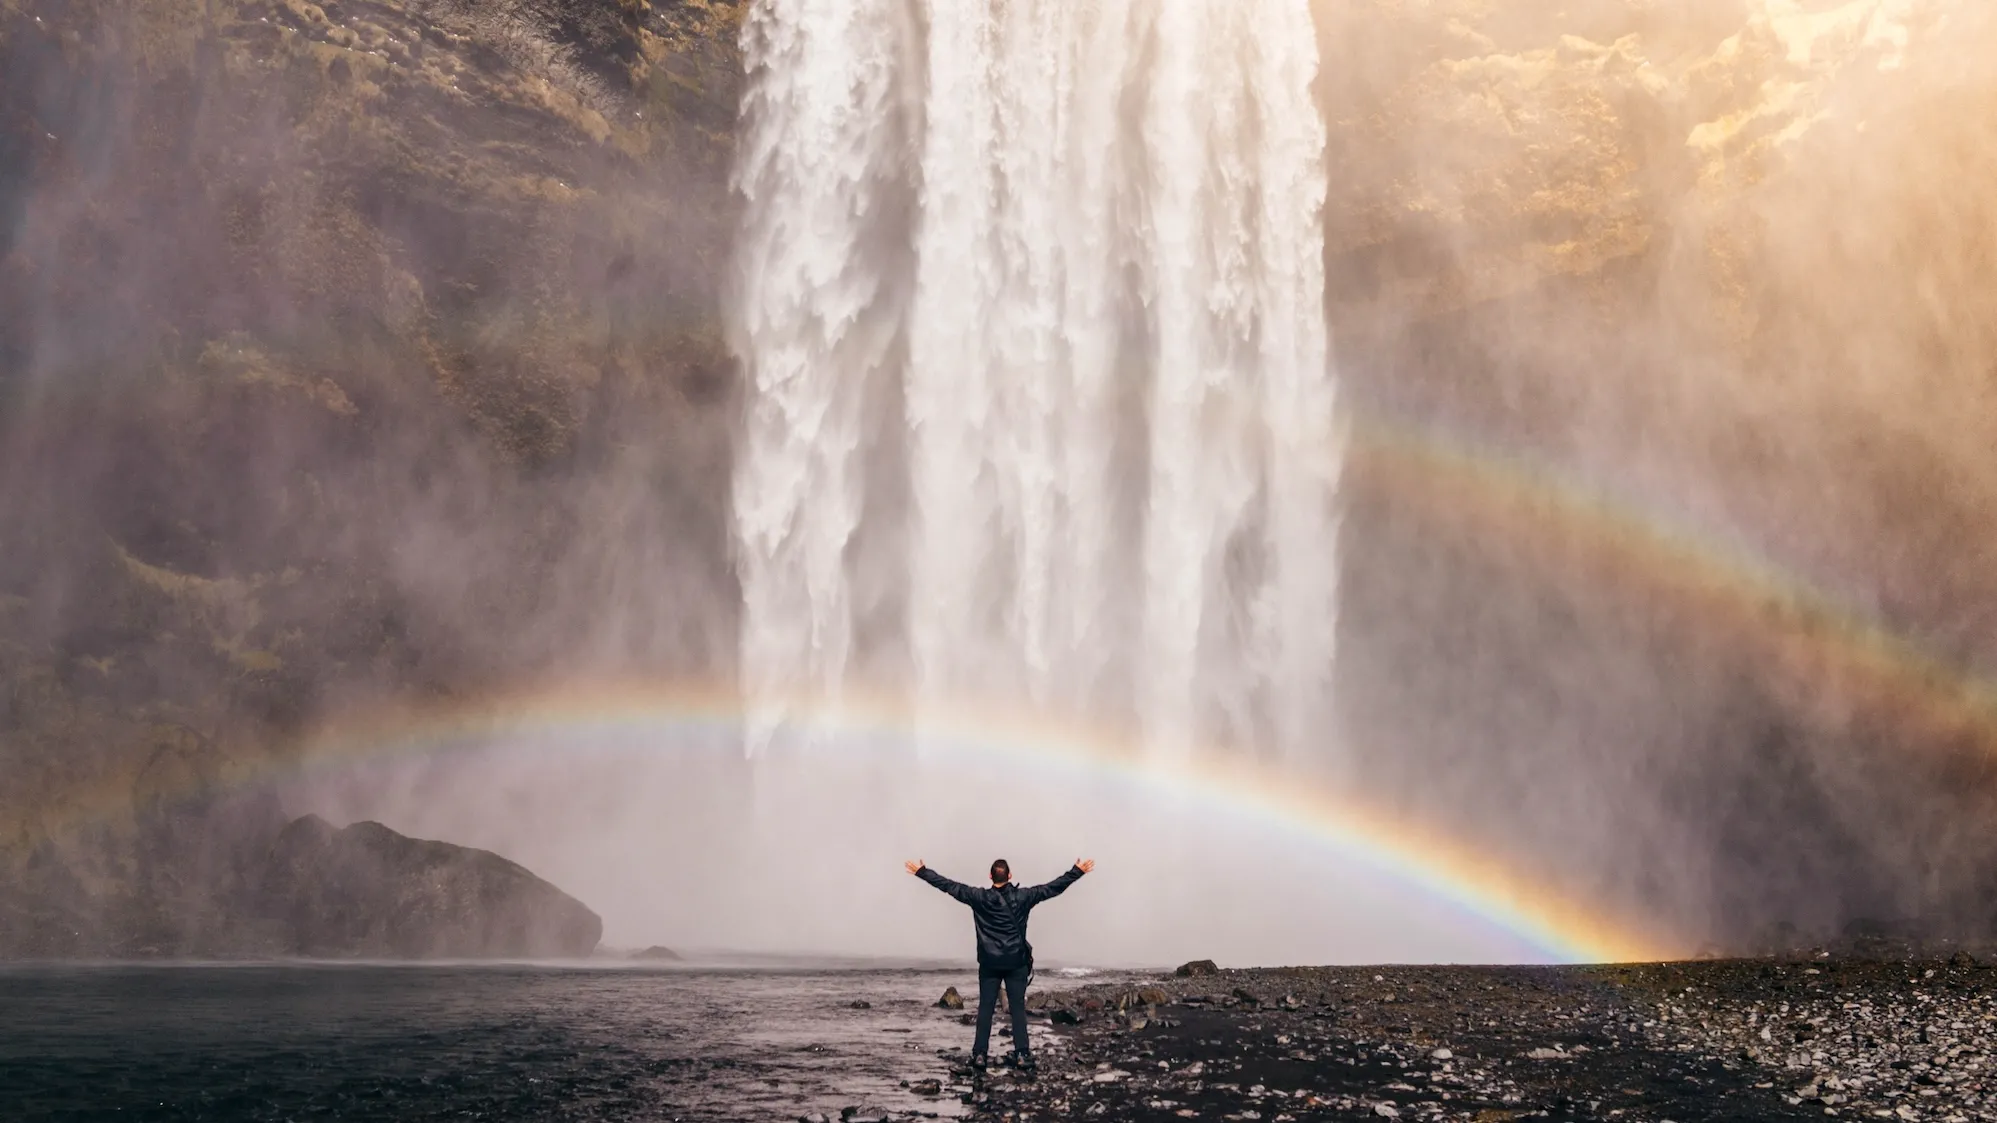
x: 1004, y: 956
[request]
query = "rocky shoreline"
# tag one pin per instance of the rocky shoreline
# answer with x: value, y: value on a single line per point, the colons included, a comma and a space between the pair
x: 1811, y: 1036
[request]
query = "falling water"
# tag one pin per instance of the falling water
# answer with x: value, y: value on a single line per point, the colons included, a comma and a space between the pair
x: 1079, y: 241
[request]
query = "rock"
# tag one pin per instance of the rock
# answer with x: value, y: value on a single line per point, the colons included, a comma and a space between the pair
x: 931, y: 1087
x: 1196, y: 969
x: 1153, y: 996
x: 365, y: 890
x: 1246, y: 997
x: 1962, y: 959
x: 1065, y: 1017
x: 1544, y: 1054
x: 1441, y: 1055
x: 951, y: 1000
x: 814, y: 1117
x: 657, y: 954
x: 860, y: 1004
x: 1386, y: 1111
x: 864, y: 1115
x: 505, y: 160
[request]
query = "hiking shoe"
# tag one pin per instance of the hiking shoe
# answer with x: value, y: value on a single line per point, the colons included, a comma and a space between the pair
x: 1024, y: 1062
x: 980, y: 1062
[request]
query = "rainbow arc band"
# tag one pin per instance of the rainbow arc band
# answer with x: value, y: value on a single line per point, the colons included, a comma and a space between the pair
x: 1458, y: 490
x: 1564, y: 930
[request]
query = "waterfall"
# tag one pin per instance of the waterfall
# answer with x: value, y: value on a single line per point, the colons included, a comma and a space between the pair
x: 1078, y: 242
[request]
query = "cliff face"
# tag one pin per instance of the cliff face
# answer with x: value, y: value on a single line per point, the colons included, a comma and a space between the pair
x: 1708, y: 245
x: 367, y: 348
x: 331, y: 336
x: 1666, y: 328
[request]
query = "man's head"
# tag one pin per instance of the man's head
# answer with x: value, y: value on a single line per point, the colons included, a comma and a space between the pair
x: 1001, y: 872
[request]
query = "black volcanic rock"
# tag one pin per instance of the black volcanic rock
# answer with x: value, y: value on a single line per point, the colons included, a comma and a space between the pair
x: 367, y: 891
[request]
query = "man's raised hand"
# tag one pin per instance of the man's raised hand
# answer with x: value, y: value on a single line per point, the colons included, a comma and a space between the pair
x: 1085, y: 864
x: 915, y: 866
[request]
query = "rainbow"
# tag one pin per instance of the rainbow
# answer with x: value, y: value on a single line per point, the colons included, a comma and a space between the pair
x: 1802, y: 640
x: 1458, y: 492
x: 1563, y: 929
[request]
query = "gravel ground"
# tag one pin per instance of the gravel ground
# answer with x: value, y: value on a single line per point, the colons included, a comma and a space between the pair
x: 1802, y: 1037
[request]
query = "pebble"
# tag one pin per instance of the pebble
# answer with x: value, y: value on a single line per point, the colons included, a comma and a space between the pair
x: 1859, y: 1036
x: 1750, y: 1039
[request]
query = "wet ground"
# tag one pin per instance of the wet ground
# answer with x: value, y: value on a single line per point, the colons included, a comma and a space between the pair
x: 403, y: 1043
x: 1812, y: 1037
x: 1755, y: 1040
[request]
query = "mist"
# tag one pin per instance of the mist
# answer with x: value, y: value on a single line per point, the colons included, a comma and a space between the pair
x: 355, y: 356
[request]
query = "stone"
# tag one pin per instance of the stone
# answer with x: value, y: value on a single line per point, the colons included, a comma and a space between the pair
x: 1153, y: 996
x: 860, y: 1004
x: 864, y: 1115
x: 1441, y: 1055
x: 931, y: 1087
x: 1065, y: 1017
x: 657, y: 953
x: 1196, y: 969
x: 951, y: 1000
x: 1386, y: 1111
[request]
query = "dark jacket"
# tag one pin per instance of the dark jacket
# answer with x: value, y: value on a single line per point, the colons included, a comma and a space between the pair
x: 1000, y: 914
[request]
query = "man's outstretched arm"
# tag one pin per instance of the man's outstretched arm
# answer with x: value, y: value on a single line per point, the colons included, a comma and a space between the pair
x: 956, y: 889
x: 1038, y: 893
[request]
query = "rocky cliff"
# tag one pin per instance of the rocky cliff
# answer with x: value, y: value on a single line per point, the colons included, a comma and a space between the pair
x: 242, y: 885
x: 367, y: 891
x: 1667, y: 332
x: 328, y: 335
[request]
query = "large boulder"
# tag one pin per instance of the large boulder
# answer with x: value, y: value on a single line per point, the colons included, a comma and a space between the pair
x: 367, y: 891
